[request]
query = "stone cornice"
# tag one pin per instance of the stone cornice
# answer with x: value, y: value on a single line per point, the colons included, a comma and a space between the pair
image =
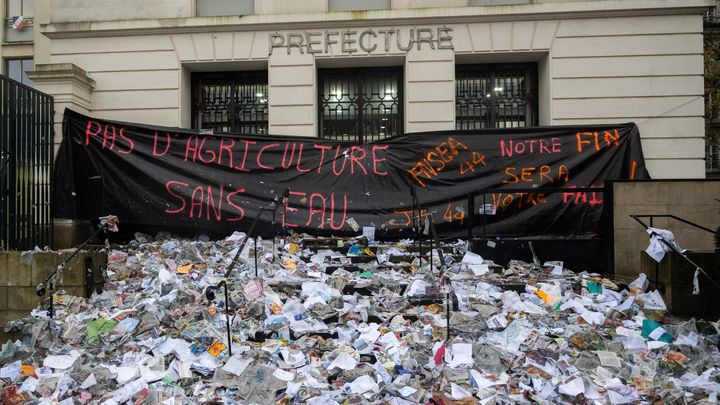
x: 61, y: 72
x: 435, y: 16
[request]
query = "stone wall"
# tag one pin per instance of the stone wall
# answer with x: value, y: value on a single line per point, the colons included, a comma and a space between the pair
x: 104, y: 10
x: 676, y: 284
x: 694, y: 200
x: 598, y: 62
x: 21, y: 272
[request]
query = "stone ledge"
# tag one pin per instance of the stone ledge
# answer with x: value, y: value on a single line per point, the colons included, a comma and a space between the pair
x: 60, y: 72
x: 448, y: 15
x: 25, y: 270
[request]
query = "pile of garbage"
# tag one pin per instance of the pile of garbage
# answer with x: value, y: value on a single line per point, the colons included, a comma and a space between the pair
x: 330, y: 321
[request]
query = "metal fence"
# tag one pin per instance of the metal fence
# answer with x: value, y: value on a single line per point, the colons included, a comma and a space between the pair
x: 26, y: 157
x: 587, y: 244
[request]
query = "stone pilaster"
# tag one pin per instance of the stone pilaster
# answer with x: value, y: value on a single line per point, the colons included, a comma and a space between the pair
x: 70, y: 86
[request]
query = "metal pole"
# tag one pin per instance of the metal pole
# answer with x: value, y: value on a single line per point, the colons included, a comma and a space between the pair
x: 418, y: 236
x: 40, y: 289
x: 419, y: 249
x: 431, y: 255
x: 256, y: 258
x: 227, y: 318
x: 232, y: 267
x: 52, y: 298
x: 447, y: 313
x: 536, y: 260
x: 434, y: 235
x: 244, y: 241
x: 286, y: 232
x: 435, y: 240
x: 471, y: 215
x: 416, y: 225
x: 657, y: 265
x: 485, y: 215
x: 674, y: 249
x: 11, y: 194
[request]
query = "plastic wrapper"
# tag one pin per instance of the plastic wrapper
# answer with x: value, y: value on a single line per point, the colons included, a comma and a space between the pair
x: 352, y: 320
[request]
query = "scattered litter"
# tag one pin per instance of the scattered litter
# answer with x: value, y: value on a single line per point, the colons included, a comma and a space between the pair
x: 352, y: 320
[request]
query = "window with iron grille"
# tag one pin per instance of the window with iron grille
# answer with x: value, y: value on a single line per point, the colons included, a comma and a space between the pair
x: 495, y: 96
x: 712, y: 160
x: 360, y: 104
x: 231, y: 102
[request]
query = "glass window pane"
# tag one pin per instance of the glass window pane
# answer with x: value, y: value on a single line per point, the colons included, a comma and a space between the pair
x: 15, y: 69
x: 348, y: 5
x: 28, y: 8
x: 496, y: 2
x: 473, y: 104
x: 231, y: 102
x: 494, y: 96
x: 712, y: 160
x: 14, y: 8
x: 225, y: 7
x: 360, y: 105
x: 27, y: 65
x: 339, y: 106
x: 512, y: 96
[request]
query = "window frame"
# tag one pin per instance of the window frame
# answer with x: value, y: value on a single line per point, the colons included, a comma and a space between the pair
x: 356, y: 75
x: 465, y: 71
x: 234, y: 79
x: 23, y: 5
x: 354, y: 5
x: 481, y: 3
x: 23, y: 75
x: 712, y: 160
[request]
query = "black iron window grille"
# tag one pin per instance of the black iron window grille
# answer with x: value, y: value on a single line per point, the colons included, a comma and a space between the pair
x: 495, y: 96
x: 231, y: 102
x: 712, y: 160
x: 360, y: 104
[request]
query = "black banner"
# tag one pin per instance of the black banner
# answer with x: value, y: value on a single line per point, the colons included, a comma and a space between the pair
x: 189, y: 182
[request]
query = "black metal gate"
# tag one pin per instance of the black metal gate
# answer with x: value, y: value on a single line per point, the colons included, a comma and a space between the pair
x: 26, y: 157
x: 586, y: 248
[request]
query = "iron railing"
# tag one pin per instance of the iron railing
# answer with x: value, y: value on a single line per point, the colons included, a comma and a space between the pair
x: 672, y: 247
x: 29, y: 22
x: 586, y: 245
x: 675, y: 217
x: 26, y: 164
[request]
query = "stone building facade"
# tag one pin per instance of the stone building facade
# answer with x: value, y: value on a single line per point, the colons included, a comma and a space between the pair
x: 368, y: 69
